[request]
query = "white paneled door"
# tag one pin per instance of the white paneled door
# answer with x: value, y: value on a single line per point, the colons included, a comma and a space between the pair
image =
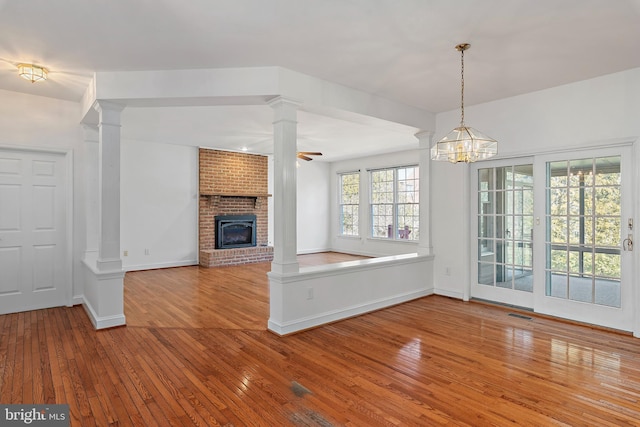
x: 34, y: 271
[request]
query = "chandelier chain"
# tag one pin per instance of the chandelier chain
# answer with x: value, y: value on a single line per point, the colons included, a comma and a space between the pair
x: 462, y: 87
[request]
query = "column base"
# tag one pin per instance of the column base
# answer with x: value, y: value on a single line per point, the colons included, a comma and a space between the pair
x: 103, y: 297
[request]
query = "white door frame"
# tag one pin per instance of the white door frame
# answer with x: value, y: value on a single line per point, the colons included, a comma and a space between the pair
x: 68, y: 182
x: 631, y: 189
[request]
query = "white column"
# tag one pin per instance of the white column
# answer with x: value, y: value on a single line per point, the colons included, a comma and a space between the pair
x: 91, y: 189
x: 284, y: 186
x: 109, y: 186
x: 424, y: 146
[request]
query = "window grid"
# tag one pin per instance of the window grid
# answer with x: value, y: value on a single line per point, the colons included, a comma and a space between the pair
x: 583, y: 261
x: 349, y: 203
x: 395, y: 203
x: 505, y: 227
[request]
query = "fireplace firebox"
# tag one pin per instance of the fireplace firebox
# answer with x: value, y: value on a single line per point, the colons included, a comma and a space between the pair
x: 235, y: 231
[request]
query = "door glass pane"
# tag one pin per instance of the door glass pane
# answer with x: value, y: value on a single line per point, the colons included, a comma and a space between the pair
x: 486, y: 273
x: 485, y: 226
x: 523, y: 281
x: 607, y: 292
x: 574, y: 262
x: 607, y: 231
x: 587, y: 262
x: 485, y: 180
x: 607, y: 265
x: 580, y: 288
x: 558, y: 201
x: 576, y: 202
x: 584, y: 230
x: 576, y: 233
x: 607, y: 200
x: 486, y: 251
x: 557, y: 285
x: 485, y: 203
x: 503, y: 276
x: 505, y: 224
x: 503, y: 178
x: 608, y: 171
x: 559, y: 259
x: 579, y: 170
x: 557, y: 174
x: 559, y: 229
x: 523, y: 176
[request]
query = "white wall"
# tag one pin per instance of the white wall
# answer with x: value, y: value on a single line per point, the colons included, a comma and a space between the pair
x: 50, y: 124
x: 158, y: 205
x: 314, y: 210
x: 364, y: 244
x: 599, y: 110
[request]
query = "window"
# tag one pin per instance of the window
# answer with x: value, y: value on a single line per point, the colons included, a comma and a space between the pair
x: 395, y: 203
x: 349, y: 203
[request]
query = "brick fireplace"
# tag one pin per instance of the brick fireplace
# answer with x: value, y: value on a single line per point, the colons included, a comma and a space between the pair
x: 232, y: 184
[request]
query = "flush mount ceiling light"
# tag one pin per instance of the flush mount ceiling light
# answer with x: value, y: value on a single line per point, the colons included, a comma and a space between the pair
x: 33, y: 73
x: 464, y: 144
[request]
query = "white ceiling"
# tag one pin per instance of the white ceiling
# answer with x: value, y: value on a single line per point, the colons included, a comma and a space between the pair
x: 402, y: 50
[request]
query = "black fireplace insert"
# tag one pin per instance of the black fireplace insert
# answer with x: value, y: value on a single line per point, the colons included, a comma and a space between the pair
x: 235, y: 231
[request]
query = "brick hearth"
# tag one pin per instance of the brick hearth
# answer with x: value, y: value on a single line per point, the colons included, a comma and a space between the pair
x: 232, y: 184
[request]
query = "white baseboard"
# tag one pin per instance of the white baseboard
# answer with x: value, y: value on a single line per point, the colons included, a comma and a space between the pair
x: 329, y: 317
x: 103, y: 322
x: 159, y: 265
x: 313, y: 251
x: 450, y: 294
x: 360, y: 253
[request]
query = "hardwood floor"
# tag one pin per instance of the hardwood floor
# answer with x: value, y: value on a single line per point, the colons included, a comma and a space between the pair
x: 196, y: 352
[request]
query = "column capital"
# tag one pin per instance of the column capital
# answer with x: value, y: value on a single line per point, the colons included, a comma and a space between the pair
x: 109, y: 112
x: 424, y: 138
x: 285, y: 108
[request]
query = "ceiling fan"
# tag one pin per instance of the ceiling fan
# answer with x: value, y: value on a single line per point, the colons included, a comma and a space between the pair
x: 304, y: 155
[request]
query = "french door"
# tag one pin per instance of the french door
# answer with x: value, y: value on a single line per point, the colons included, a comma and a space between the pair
x: 577, y: 208
x: 584, y: 261
x: 503, y: 266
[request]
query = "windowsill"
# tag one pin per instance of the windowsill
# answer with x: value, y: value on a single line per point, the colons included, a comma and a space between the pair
x: 402, y: 241
x: 346, y: 237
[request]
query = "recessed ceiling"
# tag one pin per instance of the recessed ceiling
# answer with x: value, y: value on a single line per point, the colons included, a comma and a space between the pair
x: 402, y: 50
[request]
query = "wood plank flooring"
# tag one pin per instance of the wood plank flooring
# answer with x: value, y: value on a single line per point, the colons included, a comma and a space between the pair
x: 196, y: 352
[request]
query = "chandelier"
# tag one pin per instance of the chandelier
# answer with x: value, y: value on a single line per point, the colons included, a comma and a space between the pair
x: 464, y: 143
